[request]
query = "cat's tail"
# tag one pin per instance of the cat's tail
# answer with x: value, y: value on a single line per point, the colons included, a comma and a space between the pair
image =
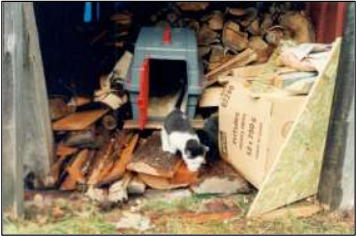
x: 181, y: 95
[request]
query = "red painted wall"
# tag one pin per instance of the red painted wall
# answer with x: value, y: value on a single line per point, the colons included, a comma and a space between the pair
x: 328, y: 19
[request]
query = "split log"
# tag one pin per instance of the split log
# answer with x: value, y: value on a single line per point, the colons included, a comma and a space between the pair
x: 78, y: 120
x: 81, y: 138
x: 210, y: 97
x: 267, y: 23
x: 275, y: 34
x: 215, y: 20
x: 242, y: 59
x: 150, y: 159
x: 122, y: 66
x: 123, y: 158
x: 249, y: 17
x: 236, y: 11
x: 136, y: 186
x: 192, y: 6
x: 217, y: 57
x: 75, y: 174
x: 220, y: 178
x: 118, y: 190
x: 111, y: 99
x: 233, y: 38
x: 207, y: 36
x: 300, y: 25
x: 109, y: 122
x: 64, y: 150
x: 254, y: 28
x: 156, y: 182
x: 78, y: 101
x: 192, y: 24
x: 203, y: 51
x: 123, y: 18
x: 184, y: 176
x: 101, y: 161
x: 58, y: 108
x: 262, y: 49
x: 120, y: 141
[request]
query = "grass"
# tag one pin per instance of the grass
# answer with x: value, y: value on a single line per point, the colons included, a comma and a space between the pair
x: 85, y: 218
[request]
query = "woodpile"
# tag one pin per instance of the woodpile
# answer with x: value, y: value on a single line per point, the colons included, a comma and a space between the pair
x: 107, y: 162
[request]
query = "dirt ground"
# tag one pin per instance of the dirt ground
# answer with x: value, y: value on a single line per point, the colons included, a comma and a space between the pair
x: 71, y: 213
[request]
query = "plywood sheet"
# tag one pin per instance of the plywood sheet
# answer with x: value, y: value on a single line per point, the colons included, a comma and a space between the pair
x: 79, y: 120
x: 296, y: 171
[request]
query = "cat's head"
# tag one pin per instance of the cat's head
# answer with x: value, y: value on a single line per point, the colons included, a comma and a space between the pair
x: 194, y: 154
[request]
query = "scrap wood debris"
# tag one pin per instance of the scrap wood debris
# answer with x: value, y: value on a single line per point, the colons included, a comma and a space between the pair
x: 261, y: 48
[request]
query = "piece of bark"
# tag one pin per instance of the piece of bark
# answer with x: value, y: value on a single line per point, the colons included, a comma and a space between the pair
x: 136, y: 186
x: 233, y: 38
x: 58, y: 108
x: 78, y: 120
x: 207, y: 36
x: 300, y: 25
x: 242, y: 59
x: 156, y: 182
x: 74, y: 171
x: 210, y: 97
x: 118, y: 190
x: 122, y: 159
x: 262, y: 49
x: 192, y: 6
x: 149, y: 158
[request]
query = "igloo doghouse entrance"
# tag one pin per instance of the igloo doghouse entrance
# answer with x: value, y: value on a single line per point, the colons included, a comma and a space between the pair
x: 165, y: 60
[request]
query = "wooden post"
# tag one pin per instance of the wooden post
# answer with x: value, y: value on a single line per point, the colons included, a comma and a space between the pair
x: 337, y: 185
x: 27, y: 138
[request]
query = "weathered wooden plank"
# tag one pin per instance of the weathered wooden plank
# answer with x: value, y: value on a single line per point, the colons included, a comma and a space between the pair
x: 28, y: 146
x: 296, y: 171
x: 79, y: 120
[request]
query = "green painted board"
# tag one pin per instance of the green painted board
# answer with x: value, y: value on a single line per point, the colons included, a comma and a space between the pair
x: 296, y: 171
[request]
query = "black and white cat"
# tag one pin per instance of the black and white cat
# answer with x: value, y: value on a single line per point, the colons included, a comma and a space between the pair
x: 177, y: 135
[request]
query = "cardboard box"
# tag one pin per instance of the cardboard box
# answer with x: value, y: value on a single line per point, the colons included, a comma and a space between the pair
x: 253, y: 127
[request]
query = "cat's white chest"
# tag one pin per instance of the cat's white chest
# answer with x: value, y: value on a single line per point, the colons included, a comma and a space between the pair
x: 178, y: 140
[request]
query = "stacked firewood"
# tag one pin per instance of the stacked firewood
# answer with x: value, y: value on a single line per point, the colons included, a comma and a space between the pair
x: 222, y: 34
